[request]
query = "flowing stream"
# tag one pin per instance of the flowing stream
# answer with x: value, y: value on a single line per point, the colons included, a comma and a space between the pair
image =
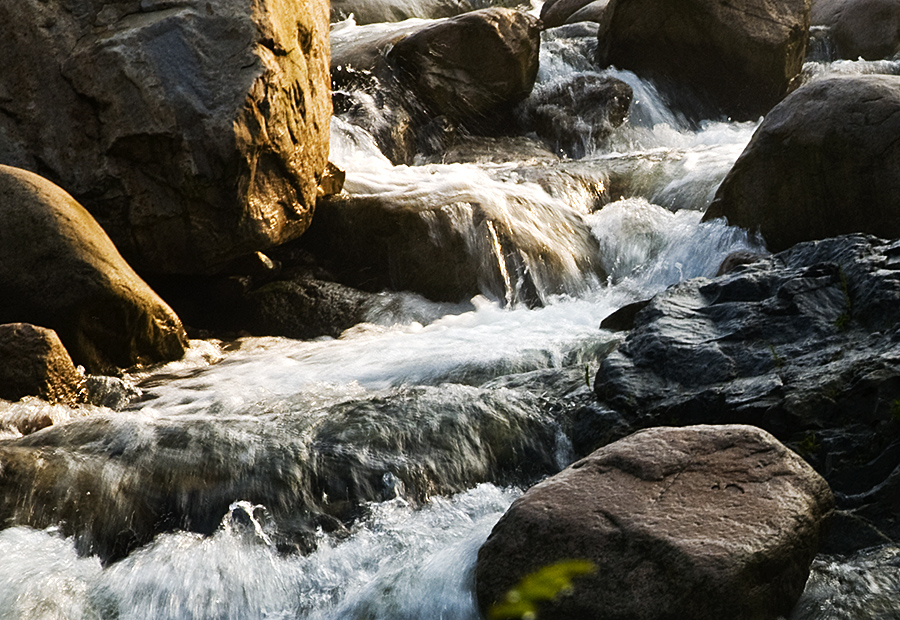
x: 412, y: 427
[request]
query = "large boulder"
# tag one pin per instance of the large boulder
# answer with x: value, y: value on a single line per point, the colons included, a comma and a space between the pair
x: 377, y: 11
x: 193, y: 131
x: 736, y: 58
x: 702, y: 522
x: 558, y: 12
x: 471, y: 65
x: 824, y: 162
x: 34, y: 362
x: 860, y: 28
x: 58, y: 269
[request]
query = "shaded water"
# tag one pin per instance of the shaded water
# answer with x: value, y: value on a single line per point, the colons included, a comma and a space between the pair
x: 417, y: 428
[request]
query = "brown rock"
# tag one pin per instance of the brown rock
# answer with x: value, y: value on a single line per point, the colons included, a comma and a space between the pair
x: 58, y: 269
x: 193, y: 131
x: 824, y: 162
x: 34, y: 362
x: 737, y: 58
x: 701, y: 522
x: 557, y: 12
x: 860, y: 28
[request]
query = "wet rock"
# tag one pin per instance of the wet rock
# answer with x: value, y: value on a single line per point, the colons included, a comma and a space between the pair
x: 824, y: 162
x: 111, y: 392
x: 470, y: 66
x: 377, y: 11
x: 193, y: 131
x: 596, y: 11
x: 803, y: 344
x: 577, y: 114
x: 558, y: 12
x: 703, y: 522
x: 58, y: 269
x: 867, y: 29
x: 736, y: 59
x: 33, y: 362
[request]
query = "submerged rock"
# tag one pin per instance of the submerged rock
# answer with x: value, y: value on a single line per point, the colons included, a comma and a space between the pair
x: 58, y: 269
x: 702, y: 522
x: 34, y: 362
x: 867, y: 29
x: 804, y: 344
x: 736, y: 59
x: 193, y: 131
x: 824, y: 162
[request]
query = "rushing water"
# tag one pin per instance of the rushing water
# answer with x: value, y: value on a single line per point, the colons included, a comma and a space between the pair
x: 424, y: 413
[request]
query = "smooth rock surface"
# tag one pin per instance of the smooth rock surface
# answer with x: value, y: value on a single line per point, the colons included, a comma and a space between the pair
x: 34, y: 362
x: 824, y: 162
x: 58, y: 269
x: 867, y: 29
x: 735, y: 58
x: 702, y: 522
x: 377, y: 11
x: 193, y: 131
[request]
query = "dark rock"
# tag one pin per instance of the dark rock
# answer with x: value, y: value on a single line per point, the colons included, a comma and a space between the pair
x: 623, y: 318
x: 824, y: 162
x: 703, y: 522
x: 33, y: 362
x: 596, y: 11
x: 577, y: 114
x: 58, y: 269
x: 867, y: 29
x: 377, y: 11
x: 803, y: 344
x: 193, y: 131
x: 558, y: 12
x: 737, y: 259
x: 111, y: 392
x: 736, y: 59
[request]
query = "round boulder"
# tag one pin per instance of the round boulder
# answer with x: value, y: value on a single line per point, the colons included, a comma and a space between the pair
x: 700, y: 522
x: 736, y: 58
x: 824, y: 162
x: 58, y: 269
x: 33, y: 362
x: 860, y: 28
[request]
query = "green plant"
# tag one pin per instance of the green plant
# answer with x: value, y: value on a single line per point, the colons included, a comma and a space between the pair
x: 520, y: 602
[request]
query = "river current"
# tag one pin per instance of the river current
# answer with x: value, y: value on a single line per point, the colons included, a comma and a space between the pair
x: 431, y: 377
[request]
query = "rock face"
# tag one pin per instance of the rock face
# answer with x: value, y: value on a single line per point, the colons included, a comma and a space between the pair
x: 733, y: 58
x: 803, y: 344
x: 860, y: 28
x: 824, y: 162
x: 473, y: 64
x: 33, y: 362
x: 702, y: 522
x: 58, y: 269
x: 193, y: 131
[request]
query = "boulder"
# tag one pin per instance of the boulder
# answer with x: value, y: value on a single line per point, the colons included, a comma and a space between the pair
x: 470, y: 66
x: 803, y: 344
x: 595, y: 11
x: 377, y: 11
x: 193, y: 131
x: 824, y: 162
x: 701, y: 522
x: 867, y: 29
x: 58, y: 269
x: 33, y: 362
x: 712, y: 58
x: 558, y: 12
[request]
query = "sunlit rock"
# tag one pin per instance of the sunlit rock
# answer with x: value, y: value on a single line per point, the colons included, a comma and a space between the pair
x: 702, y: 522
x: 58, y: 269
x: 867, y: 29
x: 33, y: 362
x: 824, y: 162
x: 737, y: 59
x: 193, y: 131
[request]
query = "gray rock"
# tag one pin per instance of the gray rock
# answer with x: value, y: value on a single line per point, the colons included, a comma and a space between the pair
x: 824, y: 162
x: 377, y: 11
x: 34, y: 362
x: 736, y: 58
x: 702, y: 522
x: 557, y: 12
x: 867, y: 29
x: 193, y: 131
x: 58, y: 269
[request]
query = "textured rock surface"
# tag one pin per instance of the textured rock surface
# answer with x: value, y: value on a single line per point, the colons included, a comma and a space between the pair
x: 33, y: 362
x: 824, y: 162
x: 804, y: 344
x: 736, y: 58
x: 193, y: 131
x: 860, y: 28
x: 702, y: 522
x: 58, y: 269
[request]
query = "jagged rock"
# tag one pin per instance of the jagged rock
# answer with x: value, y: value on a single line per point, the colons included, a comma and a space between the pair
x: 702, y: 522
x: 860, y: 28
x: 804, y: 344
x: 193, y: 131
x: 58, y: 269
x: 33, y: 362
x: 737, y: 59
x: 824, y: 162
